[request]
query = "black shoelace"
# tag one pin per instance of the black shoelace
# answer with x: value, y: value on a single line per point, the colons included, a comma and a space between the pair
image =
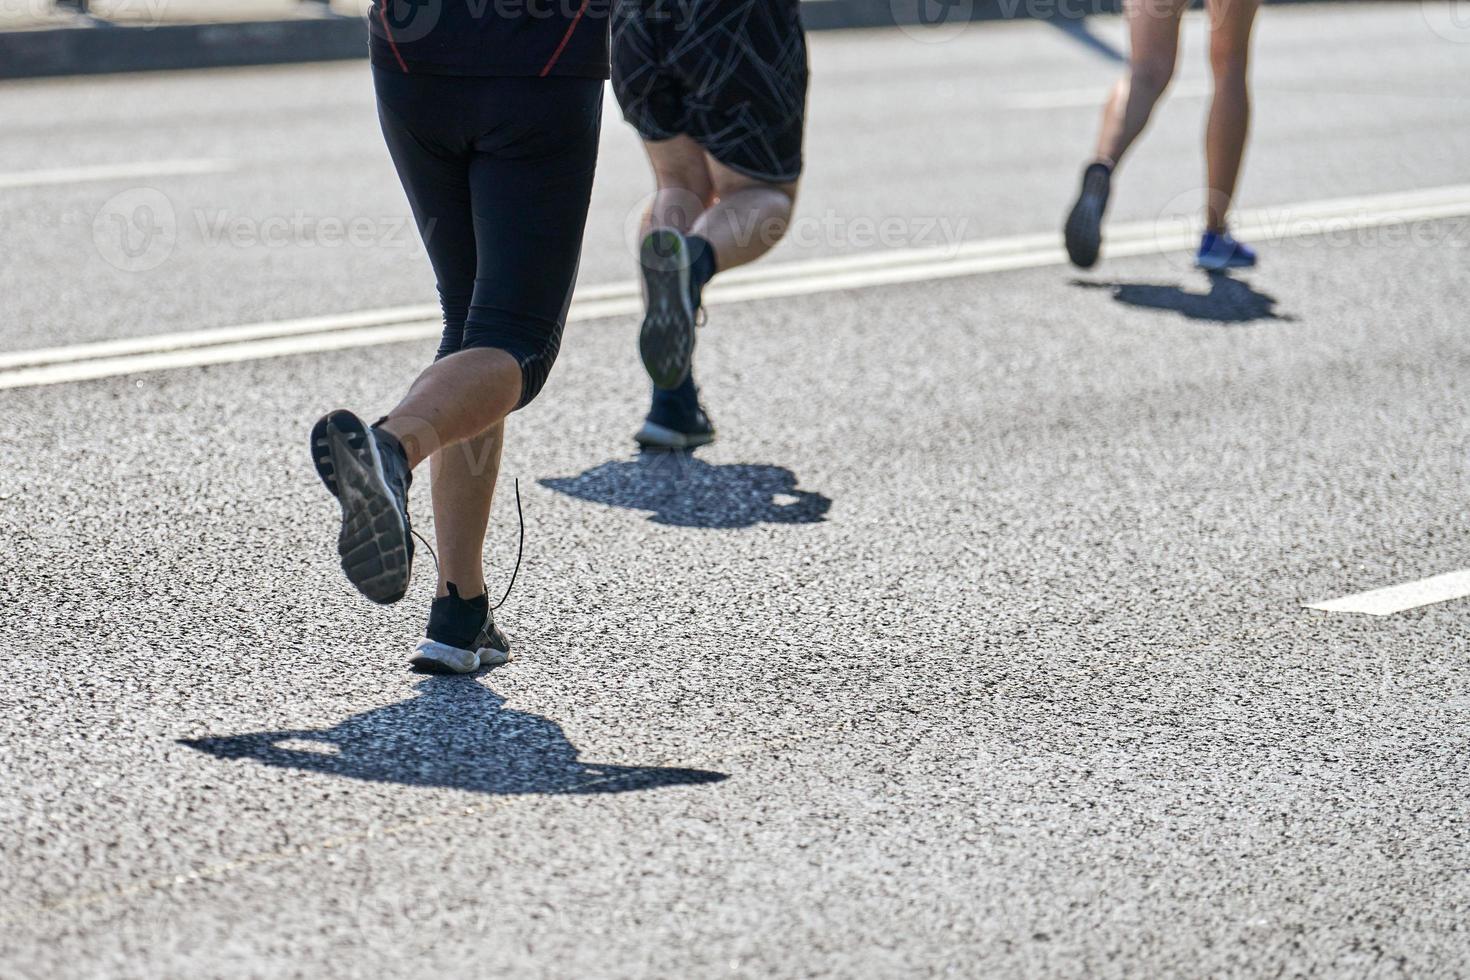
x: 520, y: 549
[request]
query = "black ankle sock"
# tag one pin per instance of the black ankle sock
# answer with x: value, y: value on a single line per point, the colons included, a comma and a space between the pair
x: 702, y: 265
x: 388, y: 438
x: 455, y: 621
x: 687, y: 390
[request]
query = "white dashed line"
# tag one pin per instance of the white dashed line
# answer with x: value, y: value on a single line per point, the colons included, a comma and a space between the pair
x: 1397, y: 598
x: 112, y: 171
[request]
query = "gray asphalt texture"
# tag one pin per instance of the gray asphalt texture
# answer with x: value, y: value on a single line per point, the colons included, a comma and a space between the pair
x: 973, y: 647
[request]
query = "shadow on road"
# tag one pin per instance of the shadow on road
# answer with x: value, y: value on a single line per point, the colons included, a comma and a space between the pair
x: 1080, y: 31
x: 455, y: 733
x: 685, y: 491
x: 1228, y: 300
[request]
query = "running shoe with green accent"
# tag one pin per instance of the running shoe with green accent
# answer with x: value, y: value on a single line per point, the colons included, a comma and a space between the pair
x: 666, y: 341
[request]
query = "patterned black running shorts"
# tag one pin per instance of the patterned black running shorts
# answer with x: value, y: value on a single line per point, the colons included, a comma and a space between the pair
x: 730, y: 74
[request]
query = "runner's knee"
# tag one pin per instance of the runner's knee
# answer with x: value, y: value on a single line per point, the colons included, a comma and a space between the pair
x: 679, y: 166
x: 1152, y: 74
x: 456, y: 306
x: 1228, y: 61
x: 534, y: 343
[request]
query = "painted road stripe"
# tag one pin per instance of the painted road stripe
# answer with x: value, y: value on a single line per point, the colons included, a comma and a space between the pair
x: 82, y: 362
x: 1397, y: 598
x: 113, y: 171
x: 592, y: 304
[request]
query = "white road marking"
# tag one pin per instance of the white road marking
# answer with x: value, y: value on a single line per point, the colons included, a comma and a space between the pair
x: 1092, y: 97
x: 110, y: 358
x: 1397, y: 598
x: 112, y: 171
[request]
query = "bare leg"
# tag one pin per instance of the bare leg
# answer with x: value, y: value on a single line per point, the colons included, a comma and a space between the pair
x: 464, y: 485
x: 1153, y: 31
x: 1230, y: 37
x: 748, y: 217
x: 456, y: 398
x: 684, y: 185
x: 740, y: 216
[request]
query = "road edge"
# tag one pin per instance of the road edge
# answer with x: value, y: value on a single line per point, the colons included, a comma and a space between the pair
x: 103, y: 49
x: 109, y: 49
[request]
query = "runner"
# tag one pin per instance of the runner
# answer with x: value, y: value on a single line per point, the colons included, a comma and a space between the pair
x: 1153, y: 27
x: 491, y: 115
x: 717, y: 90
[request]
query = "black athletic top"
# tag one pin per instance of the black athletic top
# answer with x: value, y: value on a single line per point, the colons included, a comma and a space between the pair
x: 491, y: 37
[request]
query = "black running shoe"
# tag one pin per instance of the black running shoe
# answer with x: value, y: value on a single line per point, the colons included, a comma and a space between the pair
x: 666, y: 341
x: 367, y: 472
x: 462, y: 637
x: 1084, y: 224
x: 676, y: 420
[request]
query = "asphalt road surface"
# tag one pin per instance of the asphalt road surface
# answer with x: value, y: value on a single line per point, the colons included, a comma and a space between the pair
x: 975, y: 647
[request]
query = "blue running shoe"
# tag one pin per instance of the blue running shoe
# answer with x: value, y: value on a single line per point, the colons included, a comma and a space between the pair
x: 676, y: 420
x: 1219, y: 251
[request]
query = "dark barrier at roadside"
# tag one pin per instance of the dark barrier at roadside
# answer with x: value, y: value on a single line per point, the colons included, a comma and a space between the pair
x: 94, y: 46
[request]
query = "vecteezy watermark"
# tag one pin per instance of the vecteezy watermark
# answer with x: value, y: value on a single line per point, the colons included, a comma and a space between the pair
x: 300, y: 229
x: 134, y: 13
x: 137, y: 230
x: 932, y: 21
x: 140, y: 229
x: 1449, y: 19
x: 405, y: 21
x: 1368, y: 231
x: 832, y: 230
x: 1181, y: 222
x: 828, y: 231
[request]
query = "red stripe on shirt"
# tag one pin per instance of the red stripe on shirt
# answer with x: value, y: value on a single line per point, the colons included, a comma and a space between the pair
x: 571, y: 28
x: 388, y: 32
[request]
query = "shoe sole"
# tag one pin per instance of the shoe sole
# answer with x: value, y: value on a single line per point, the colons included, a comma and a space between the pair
x: 1213, y: 265
x: 1084, y: 233
x: 431, y: 657
x: 653, y: 436
x: 373, y: 541
x: 666, y: 341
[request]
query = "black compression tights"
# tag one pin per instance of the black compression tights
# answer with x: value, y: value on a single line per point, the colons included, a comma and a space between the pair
x: 499, y: 173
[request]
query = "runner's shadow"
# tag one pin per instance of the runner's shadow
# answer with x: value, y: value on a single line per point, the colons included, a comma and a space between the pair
x: 1228, y: 300
x: 454, y: 733
x: 1079, y: 30
x: 683, y: 490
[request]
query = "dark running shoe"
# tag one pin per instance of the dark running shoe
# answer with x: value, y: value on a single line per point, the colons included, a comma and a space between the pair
x: 1219, y: 251
x: 676, y: 420
x: 462, y: 637
x: 1084, y: 224
x: 666, y: 341
x: 367, y: 472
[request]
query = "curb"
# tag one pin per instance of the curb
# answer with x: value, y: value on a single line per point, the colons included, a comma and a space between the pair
x: 836, y: 15
x: 107, y: 49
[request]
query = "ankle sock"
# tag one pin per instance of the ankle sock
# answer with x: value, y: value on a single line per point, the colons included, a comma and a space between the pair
x: 702, y: 265
x: 388, y: 439
x: 455, y: 621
